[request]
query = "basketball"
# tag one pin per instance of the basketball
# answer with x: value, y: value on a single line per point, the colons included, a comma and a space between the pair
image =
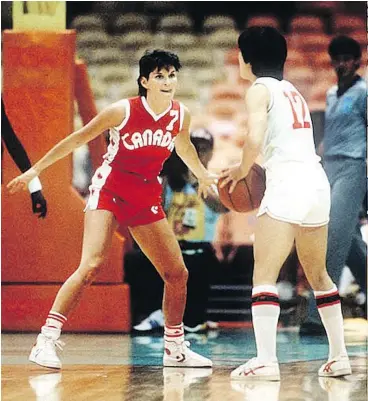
x: 248, y: 192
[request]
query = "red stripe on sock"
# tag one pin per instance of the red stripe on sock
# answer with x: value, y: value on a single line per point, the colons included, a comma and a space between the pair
x: 52, y: 327
x: 174, y: 335
x: 56, y: 318
x: 327, y: 295
x: 59, y: 316
x: 179, y: 326
x: 270, y: 294
x: 265, y: 303
x: 329, y: 304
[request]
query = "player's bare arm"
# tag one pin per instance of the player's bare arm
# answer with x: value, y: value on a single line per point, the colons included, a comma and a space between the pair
x: 187, y: 152
x: 256, y: 101
x: 111, y: 116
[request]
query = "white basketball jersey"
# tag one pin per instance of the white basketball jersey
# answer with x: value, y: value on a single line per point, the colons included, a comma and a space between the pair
x: 289, y: 136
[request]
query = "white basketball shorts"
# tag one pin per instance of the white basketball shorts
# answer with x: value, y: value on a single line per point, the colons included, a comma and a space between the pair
x: 297, y: 193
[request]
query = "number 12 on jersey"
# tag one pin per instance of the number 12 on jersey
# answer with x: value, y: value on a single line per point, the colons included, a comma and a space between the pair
x: 299, y: 109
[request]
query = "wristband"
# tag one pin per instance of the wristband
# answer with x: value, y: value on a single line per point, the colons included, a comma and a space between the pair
x: 34, y: 185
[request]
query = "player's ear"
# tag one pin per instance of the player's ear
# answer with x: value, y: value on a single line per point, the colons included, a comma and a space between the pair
x: 144, y: 82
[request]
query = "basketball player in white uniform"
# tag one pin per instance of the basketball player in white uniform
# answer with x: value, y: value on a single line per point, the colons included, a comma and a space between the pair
x: 295, y: 206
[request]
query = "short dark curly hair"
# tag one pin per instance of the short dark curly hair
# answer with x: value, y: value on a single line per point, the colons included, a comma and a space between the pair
x: 153, y: 59
x: 344, y: 45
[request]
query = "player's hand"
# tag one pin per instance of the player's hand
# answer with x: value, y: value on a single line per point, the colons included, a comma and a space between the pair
x: 21, y: 182
x: 205, y: 182
x: 39, y: 204
x: 232, y: 175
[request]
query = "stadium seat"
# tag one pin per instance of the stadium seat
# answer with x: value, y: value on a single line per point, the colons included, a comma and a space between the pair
x: 322, y: 61
x: 92, y: 40
x: 214, y: 23
x: 175, y: 23
x: 314, y: 43
x: 198, y: 58
x: 105, y: 56
x: 263, y: 20
x: 181, y: 41
x: 115, y: 73
x: 346, y: 24
x: 222, y: 39
x: 208, y: 76
x: 306, y: 23
x: 134, y: 40
x: 295, y: 58
x: 131, y: 22
x: 89, y: 22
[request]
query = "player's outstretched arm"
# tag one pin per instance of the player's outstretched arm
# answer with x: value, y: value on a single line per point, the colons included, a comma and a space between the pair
x: 188, y: 153
x: 256, y: 101
x: 111, y: 116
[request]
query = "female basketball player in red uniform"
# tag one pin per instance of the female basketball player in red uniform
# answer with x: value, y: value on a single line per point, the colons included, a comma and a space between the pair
x: 125, y: 190
x: 295, y: 206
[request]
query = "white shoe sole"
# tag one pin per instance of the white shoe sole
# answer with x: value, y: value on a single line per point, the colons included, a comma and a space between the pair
x: 49, y: 365
x: 185, y: 364
x: 275, y: 378
x: 337, y: 373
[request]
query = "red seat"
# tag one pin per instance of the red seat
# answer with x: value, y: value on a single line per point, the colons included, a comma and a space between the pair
x: 306, y: 23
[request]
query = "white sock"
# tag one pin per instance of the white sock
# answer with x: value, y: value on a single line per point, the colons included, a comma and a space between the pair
x: 329, y: 308
x: 174, y: 334
x: 54, y: 323
x: 265, y: 315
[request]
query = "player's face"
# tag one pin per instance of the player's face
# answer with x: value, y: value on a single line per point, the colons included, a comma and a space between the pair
x: 245, y: 69
x: 345, y: 65
x: 162, y: 82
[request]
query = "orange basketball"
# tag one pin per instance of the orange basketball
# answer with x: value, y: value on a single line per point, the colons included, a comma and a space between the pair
x: 248, y: 192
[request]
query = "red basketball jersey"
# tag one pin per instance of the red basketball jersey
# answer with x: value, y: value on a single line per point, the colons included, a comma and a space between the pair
x: 144, y: 140
x: 138, y: 148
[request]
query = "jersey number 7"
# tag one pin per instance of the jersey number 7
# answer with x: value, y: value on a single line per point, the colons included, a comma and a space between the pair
x: 299, y: 110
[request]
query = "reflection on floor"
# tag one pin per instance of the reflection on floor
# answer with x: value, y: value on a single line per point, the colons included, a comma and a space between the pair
x: 125, y: 368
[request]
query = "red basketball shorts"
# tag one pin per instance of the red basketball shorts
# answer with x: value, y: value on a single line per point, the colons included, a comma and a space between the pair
x: 126, y: 214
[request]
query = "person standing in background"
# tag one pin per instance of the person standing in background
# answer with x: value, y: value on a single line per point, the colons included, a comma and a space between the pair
x: 344, y: 151
x: 193, y: 221
x: 21, y: 159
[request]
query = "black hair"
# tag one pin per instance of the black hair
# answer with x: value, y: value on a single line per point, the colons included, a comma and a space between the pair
x: 202, y: 136
x: 265, y: 49
x: 153, y: 59
x: 344, y: 45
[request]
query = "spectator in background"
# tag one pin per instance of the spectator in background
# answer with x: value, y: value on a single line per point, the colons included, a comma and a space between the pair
x: 193, y: 221
x: 21, y: 159
x: 344, y: 151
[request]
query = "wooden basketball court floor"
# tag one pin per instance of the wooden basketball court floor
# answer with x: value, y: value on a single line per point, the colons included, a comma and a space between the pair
x: 128, y: 368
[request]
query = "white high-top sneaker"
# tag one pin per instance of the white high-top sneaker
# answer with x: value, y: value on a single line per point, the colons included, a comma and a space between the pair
x: 179, y: 355
x: 255, y: 370
x: 44, y: 352
x: 339, y: 366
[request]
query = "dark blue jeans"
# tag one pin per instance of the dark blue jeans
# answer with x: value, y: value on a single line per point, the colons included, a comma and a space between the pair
x: 348, y: 180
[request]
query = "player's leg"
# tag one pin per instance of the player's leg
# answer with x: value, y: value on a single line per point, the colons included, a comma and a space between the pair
x: 99, y: 226
x: 311, y: 245
x: 273, y: 242
x: 159, y: 244
x: 348, y: 186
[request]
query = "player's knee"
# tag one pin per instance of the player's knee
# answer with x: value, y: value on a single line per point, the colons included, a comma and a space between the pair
x: 177, y: 276
x: 91, y: 268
